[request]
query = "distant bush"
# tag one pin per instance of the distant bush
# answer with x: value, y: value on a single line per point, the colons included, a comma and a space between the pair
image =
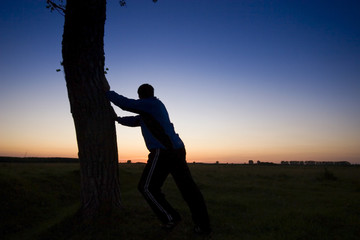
x: 329, y: 175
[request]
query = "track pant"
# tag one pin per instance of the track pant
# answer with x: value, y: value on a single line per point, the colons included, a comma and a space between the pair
x: 160, y: 164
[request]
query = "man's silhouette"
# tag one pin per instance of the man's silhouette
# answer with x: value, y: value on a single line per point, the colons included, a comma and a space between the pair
x: 167, y: 156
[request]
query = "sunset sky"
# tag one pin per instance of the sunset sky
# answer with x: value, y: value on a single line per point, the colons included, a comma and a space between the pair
x: 250, y: 79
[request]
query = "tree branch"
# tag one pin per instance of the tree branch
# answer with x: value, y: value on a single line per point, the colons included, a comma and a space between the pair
x: 123, y: 2
x: 60, y: 8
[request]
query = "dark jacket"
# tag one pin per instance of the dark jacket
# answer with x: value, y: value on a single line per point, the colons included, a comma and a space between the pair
x: 153, y: 118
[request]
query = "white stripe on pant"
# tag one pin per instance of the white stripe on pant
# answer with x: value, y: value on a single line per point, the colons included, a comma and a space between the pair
x: 146, y: 187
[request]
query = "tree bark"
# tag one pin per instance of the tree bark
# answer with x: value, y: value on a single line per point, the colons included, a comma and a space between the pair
x: 83, y: 61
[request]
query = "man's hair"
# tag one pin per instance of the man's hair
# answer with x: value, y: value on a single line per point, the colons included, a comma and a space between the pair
x: 145, y: 91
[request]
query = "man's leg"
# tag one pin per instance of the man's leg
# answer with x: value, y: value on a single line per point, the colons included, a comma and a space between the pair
x: 189, y: 190
x: 151, y: 181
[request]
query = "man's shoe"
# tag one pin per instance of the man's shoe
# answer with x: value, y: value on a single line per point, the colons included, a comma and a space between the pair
x: 202, y: 230
x: 169, y: 225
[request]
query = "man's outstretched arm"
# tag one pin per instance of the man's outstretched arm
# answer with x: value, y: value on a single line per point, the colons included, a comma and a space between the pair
x: 131, y: 121
x: 125, y: 103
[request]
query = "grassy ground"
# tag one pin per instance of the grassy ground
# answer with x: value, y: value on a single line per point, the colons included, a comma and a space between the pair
x: 39, y: 200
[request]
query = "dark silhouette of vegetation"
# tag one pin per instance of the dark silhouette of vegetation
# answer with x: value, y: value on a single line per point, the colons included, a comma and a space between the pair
x: 329, y: 175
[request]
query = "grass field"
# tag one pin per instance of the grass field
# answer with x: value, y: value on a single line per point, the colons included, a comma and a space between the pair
x: 39, y: 200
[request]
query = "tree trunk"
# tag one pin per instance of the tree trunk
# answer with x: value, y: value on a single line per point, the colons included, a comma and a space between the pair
x: 83, y: 61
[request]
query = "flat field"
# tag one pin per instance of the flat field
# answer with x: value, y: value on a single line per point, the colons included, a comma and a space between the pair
x: 39, y: 201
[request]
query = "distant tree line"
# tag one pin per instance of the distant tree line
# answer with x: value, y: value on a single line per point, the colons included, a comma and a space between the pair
x: 38, y: 160
x: 297, y: 163
x: 338, y: 163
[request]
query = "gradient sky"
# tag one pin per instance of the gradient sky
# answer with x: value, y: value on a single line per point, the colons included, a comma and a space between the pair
x: 261, y: 80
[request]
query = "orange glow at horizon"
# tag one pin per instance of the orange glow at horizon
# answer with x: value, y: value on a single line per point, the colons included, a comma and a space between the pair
x: 241, y: 139
x: 139, y: 154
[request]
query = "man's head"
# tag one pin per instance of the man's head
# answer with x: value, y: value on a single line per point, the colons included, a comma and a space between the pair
x: 145, y: 91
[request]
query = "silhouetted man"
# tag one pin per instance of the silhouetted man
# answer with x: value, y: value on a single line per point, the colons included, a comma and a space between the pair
x: 167, y: 155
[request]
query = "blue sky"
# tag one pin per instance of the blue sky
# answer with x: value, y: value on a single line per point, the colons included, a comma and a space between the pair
x: 260, y: 80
